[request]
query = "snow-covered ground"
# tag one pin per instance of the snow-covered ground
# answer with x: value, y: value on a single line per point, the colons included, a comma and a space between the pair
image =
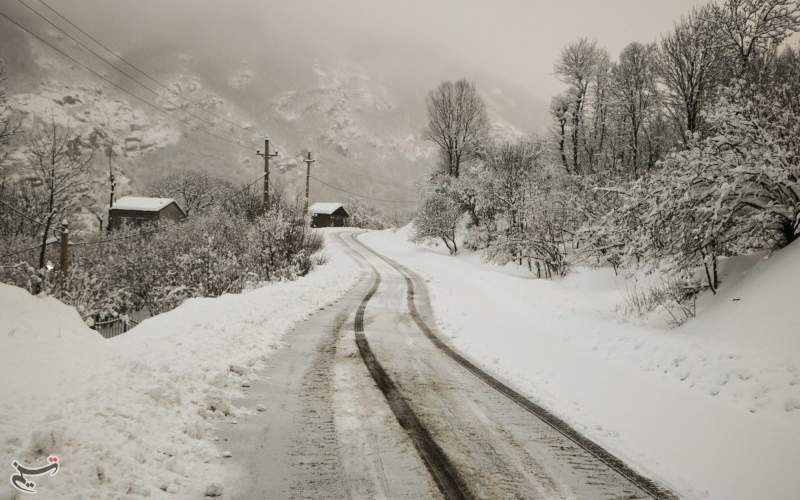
x: 134, y: 416
x: 712, y: 408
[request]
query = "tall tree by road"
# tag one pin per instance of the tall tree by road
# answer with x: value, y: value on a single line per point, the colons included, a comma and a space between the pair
x: 635, y: 86
x: 690, y: 66
x: 457, y: 123
x: 576, y: 67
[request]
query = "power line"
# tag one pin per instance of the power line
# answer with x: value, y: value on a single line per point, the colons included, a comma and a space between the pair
x: 133, y: 234
x: 18, y: 252
x: 21, y: 213
x: 337, y: 188
x: 122, y: 71
x: 155, y: 106
x: 126, y: 91
x: 141, y: 99
x: 163, y: 229
x: 146, y: 75
x: 136, y: 68
x: 119, y: 87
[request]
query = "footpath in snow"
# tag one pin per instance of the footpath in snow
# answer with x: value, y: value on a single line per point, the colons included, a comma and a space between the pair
x: 134, y: 416
x: 712, y: 409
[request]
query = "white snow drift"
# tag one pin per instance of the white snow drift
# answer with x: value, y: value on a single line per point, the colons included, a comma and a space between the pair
x: 712, y: 409
x: 133, y: 416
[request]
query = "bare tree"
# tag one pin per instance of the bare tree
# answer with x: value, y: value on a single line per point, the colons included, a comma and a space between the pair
x: 457, y: 123
x: 635, y: 86
x: 17, y: 200
x: 599, y: 100
x: 750, y: 27
x: 512, y: 166
x: 576, y: 67
x: 690, y: 65
x: 60, y: 161
x: 559, y: 109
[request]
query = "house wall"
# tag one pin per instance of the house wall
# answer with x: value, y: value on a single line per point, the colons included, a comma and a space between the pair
x: 325, y: 220
x: 321, y: 220
x: 117, y: 218
x: 171, y: 212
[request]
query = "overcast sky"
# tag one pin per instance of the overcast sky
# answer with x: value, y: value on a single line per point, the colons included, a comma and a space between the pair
x: 519, y: 39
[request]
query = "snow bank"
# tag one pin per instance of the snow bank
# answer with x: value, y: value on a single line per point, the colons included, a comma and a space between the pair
x: 134, y: 416
x: 711, y: 409
x: 757, y: 306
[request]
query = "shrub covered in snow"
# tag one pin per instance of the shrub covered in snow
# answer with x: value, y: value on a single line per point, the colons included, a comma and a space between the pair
x: 156, y: 268
x: 366, y: 216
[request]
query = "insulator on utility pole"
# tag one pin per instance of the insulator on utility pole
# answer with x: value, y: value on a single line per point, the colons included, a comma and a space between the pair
x: 64, y: 240
x: 266, y: 155
x: 308, y: 161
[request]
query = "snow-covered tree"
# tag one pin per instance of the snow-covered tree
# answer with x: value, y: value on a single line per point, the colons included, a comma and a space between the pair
x: 559, y: 110
x: 577, y: 67
x: 750, y: 28
x: 691, y: 66
x: 438, y: 216
x: 365, y: 215
x: 732, y: 192
x: 60, y: 160
x: 635, y: 88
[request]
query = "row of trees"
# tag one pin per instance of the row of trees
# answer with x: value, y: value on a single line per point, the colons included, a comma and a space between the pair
x: 622, y: 117
x: 680, y: 152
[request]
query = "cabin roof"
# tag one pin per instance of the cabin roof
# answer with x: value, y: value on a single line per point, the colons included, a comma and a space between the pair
x: 327, y: 208
x: 141, y: 203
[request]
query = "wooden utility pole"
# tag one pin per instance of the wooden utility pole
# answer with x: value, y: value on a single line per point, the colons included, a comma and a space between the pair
x: 111, y: 179
x: 64, y: 246
x: 308, y: 161
x: 266, y: 155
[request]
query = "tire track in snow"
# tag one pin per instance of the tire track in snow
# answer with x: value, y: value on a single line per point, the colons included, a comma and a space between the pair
x: 438, y: 464
x: 649, y: 486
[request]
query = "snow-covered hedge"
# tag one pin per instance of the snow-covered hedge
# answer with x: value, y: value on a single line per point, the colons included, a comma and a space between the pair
x: 205, y: 256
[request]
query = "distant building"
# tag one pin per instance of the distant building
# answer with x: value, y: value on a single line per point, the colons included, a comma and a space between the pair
x: 329, y: 214
x: 138, y: 209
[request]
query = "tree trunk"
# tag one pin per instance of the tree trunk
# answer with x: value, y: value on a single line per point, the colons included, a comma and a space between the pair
x: 562, y: 142
x: 43, y: 249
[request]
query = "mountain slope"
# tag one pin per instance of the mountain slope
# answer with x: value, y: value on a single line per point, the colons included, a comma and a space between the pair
x: 361, y: 116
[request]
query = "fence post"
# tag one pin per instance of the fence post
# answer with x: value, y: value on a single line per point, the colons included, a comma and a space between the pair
x: 64, y: 247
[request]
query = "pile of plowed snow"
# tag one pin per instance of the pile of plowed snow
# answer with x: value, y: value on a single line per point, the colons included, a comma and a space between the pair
x: 133, y: 416
x: 761, y: 308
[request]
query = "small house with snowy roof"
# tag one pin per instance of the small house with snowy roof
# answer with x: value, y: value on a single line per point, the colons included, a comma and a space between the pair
x: 328, y: 214
x: 137, y: 210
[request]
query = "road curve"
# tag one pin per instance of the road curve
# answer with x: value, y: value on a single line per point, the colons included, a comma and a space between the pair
x: 477, y: 437
x: 322, y: 429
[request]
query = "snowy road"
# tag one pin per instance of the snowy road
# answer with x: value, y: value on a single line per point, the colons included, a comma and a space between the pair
x: 327, y: 430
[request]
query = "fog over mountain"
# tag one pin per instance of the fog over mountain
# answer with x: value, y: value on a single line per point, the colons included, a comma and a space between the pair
x: 345, y: 79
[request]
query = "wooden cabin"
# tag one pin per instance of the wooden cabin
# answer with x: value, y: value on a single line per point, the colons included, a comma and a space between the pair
x: 328, y: 214
x: 137, y: 210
